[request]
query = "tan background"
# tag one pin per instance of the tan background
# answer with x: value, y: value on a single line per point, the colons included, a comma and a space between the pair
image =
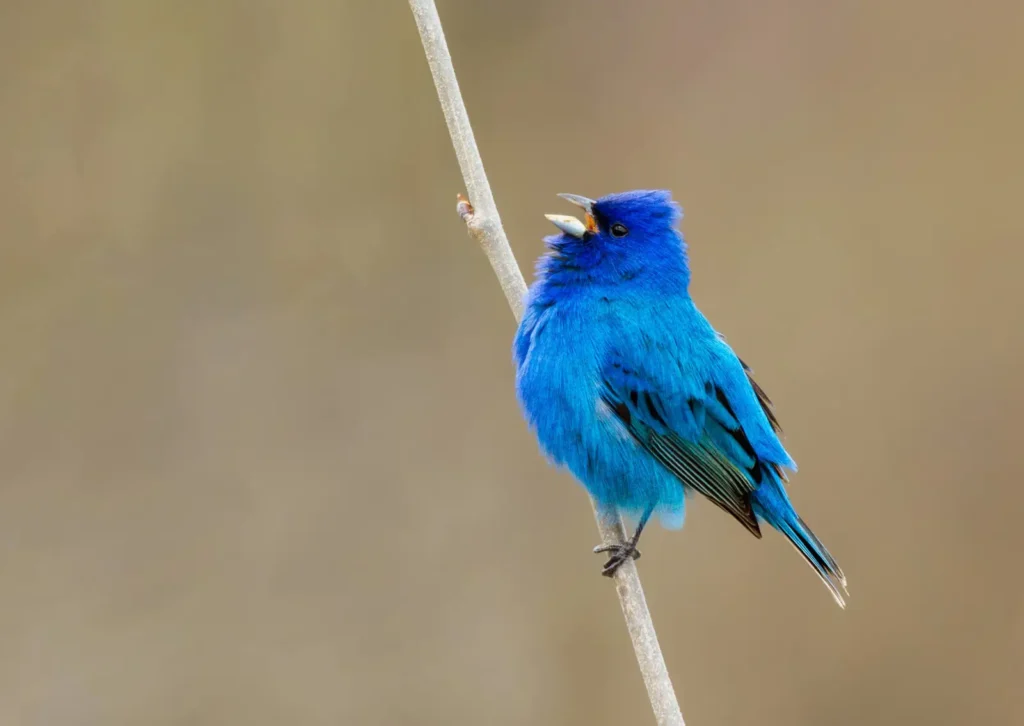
x: 260, y: 460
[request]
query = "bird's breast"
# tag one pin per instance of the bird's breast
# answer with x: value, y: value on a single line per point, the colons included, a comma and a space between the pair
x: 558, y: 380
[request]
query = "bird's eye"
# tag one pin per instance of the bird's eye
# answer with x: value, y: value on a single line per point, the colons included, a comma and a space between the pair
x: 619, y: 230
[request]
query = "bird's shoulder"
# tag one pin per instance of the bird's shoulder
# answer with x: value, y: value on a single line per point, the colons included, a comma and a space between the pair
x: 666, y: 339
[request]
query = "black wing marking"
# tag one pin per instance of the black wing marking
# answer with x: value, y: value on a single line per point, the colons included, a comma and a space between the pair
x: 762, y: 398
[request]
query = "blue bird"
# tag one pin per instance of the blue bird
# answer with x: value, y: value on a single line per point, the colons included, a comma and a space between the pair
x: 626, y: 384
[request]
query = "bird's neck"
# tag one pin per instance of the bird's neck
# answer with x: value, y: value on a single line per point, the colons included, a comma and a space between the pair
x: 614, y: 276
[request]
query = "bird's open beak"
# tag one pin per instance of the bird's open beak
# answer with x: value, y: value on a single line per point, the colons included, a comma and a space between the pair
x: 571, y: 225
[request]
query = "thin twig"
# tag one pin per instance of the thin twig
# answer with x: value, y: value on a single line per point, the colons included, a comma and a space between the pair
x: 481, y: 216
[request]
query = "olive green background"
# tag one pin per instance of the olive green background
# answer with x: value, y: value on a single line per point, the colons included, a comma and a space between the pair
x: 260, y: 458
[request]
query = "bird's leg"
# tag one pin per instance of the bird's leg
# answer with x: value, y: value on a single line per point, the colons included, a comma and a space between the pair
x: 622, y: 551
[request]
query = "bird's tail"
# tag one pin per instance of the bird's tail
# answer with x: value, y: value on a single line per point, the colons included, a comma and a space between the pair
x: 771, y: 504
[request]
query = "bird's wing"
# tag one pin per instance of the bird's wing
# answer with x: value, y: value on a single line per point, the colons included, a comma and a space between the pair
x: 689, y: 427
x: 762, y: 398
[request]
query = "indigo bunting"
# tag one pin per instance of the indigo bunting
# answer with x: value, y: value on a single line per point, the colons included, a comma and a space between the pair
x: 626, y: 384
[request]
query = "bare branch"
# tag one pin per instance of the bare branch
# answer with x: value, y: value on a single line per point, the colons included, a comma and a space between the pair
x: 481, y: 217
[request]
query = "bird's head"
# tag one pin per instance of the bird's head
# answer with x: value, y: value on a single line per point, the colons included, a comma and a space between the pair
x: 625, y: 232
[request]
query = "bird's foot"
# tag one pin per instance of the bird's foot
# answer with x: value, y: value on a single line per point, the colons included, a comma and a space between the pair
x: 618, y: 554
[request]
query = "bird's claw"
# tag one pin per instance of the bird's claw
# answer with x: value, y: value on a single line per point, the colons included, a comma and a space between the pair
x: 619, y: 553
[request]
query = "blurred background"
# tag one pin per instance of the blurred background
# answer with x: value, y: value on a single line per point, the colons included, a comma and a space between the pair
x: 260, y: 457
